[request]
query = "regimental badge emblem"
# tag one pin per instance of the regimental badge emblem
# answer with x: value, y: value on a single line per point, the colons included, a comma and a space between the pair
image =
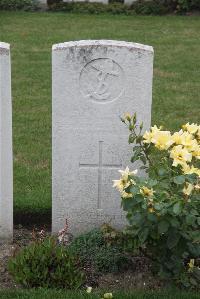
x: 102, y: 80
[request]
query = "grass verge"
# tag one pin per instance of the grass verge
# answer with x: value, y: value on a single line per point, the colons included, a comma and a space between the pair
x: 57, y: 294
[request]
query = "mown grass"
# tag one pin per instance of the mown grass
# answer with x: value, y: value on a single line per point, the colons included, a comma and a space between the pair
x: 176, y: 89
x: 53, y: 294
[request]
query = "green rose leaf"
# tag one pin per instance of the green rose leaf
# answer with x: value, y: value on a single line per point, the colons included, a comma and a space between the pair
x: 136, y: 148
x: 172, y: 239
x: 174, y: 222
x: 152, y: 183
x: 179, y: 180
x: 158, y: 207
x: 161, y: 171
x: 152, y: 217
x: 128, y: 203
x: 143, y: 159
x: 190, y: 219
x: 163, y: 227
x: 177, y: 208
x: 131, y: 139
x: 194, y: 212
x: 143, y: 234
x: 139, y: 198
x: 134, y: 190
x: 191, y: 178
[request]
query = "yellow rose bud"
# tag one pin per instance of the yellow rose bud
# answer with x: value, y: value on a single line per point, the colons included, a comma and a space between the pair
x: 89, y: 290
x: 127, y: 116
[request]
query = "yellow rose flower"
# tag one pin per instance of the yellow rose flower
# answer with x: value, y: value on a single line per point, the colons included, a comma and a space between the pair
x: 121, y: 184
x: 155, y: 129
x: 126, y: 173
x: 125, y: 194
x: 145, y: 191
x: 185, y: 139
x: 148, y: 135
x: 162, y: 140
x: 191, y: 265
x: 176, y: 137
x: 198, y: 134
x: 180, y: 155
x: 193, y: 147
x: 187, y: 190
x: 191, y: 128
x: 196, y: 151
x: 190, y: 170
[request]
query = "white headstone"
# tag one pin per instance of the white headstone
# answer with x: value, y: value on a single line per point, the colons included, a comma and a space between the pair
x: 94, y: 83
x: 6, y: 167
x: 129, y: 2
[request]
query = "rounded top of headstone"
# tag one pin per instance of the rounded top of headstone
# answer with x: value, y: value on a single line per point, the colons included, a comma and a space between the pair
x: 4, y: 45
x: 103, y: 43
x: 4, y: 48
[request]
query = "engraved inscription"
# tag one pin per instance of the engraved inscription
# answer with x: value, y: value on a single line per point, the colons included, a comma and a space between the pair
x: 100, y: 166
x: 102, y: 80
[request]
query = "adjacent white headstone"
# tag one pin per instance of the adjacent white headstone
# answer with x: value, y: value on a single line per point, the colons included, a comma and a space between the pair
x: 129, y: 2
x: 6, y: 167
x: 94, y: 83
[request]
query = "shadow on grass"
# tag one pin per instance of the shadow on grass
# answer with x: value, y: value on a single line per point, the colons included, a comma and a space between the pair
x: 30, y: 219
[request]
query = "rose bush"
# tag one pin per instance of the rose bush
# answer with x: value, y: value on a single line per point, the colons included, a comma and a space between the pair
x: 163, y: 207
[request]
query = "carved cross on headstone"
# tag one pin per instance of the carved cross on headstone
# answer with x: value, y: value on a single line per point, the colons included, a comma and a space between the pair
x: 100, y: 166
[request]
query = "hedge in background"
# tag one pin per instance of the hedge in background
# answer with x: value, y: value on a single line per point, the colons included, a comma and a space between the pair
x: 144, y: 7
x: 149, y: 7
x: 91, y: 8
x: 27, y: 5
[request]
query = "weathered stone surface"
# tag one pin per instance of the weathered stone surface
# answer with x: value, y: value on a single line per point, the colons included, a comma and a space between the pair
x: 94, y: 83
x: 6, y: 172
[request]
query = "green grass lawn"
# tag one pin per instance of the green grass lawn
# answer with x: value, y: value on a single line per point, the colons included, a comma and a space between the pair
x: 176, y: 89
x: 53, y: 294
